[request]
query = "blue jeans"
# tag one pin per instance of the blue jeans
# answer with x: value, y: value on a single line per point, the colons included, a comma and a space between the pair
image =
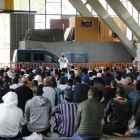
x: 78, y: 137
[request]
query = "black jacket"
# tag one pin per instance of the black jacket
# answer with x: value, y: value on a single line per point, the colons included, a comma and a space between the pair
x: 24, y: 94
x: 136, y: 111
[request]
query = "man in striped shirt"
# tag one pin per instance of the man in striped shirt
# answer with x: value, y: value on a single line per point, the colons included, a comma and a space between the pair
x: 65, y: 114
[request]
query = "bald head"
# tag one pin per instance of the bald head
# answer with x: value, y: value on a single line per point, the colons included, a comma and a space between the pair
x: 24, y: 81
x: 38, y: 90
x: 120, y: 92
x: 46, y: 81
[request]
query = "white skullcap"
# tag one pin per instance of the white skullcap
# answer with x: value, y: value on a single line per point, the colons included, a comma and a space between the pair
x: 38, y: 78
x: 62, y: 53
x: 99, y: 75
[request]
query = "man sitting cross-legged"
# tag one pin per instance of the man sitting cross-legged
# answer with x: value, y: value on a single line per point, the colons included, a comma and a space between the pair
x: 89, y: 117
x: 38, y: 114
x: 65, y: 114
x: 119, y: 110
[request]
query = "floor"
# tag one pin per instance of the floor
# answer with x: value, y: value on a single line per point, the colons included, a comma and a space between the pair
x: 103, y: 138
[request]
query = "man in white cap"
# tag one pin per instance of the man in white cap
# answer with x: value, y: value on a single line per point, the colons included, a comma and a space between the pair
x: 63, y: 61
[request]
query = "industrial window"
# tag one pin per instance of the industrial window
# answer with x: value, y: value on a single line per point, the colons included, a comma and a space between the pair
x: 86, y: 23
x: 38, y: 57
x: 24, y: 57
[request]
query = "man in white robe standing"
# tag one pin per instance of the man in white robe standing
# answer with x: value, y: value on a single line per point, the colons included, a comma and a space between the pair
x: 63, y: 61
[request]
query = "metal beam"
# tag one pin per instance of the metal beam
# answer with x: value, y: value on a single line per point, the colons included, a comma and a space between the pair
x: 125, y: 16
x: 107, y: 19
x: 136, y: 4
x: 79, y: 5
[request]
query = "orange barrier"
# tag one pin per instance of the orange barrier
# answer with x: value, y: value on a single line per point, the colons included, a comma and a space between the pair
x: 77, y: 65
x: 50, y: 65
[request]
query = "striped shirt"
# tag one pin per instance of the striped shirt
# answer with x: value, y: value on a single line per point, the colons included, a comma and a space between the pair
x: 65, y: 117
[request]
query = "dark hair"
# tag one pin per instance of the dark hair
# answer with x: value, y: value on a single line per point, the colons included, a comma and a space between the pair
x: 113, y: 83
x: 35, y: 83
x: 21, y: 73
x: 78, y: 79
x: 17, y: 76
x: 96, y: 80
x: 100, y: 71
x: 90, y: 74
x: 42, y: 75
x: 53, y: 83
x: 120, y: 91
x: 94, y: 92
x: 138, y: 86
x: 62, y: 81
x: 70, y: 82
x: 72, y: 67
x: 118, y: 77
x: 1, y: 83
x: 38, y: 90
x: 29, y: 78
x: 94, y: 73
x: 15, y: 81
x: 107, y: 74
x: 62, y: 74
x: 108, y: 82
x: 91, y: 83
x: 48, y: 73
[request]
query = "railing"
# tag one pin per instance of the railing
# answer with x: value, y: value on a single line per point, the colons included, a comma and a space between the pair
x: 77, y: 65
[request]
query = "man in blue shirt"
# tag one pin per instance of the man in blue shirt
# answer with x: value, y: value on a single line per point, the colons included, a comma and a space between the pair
x: 134, y: 95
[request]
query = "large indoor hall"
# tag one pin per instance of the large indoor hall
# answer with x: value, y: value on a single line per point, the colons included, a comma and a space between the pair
x: 69, y: 69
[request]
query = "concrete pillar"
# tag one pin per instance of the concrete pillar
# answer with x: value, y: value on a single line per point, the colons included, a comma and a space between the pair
x: 136, y: 4
x: 79, y: 5
x: 125, y: 16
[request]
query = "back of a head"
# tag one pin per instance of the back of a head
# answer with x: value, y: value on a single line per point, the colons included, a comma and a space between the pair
x: 38, y: 90
x: 138, y: 86
x: 94, y: 92
x: 118, y: 77
x: 35, y: 83
x: 24, y: 81
x: 107, y: 82
x: 128, y: 80
x: 21, y: 73
x: 62, y: 81
x: 120, y: 92
x: 29, y: 78
x: 69, y: 95
x: 107, y: 74
x: 94, y: 73
x: 47, y: 73
x: 46, y: 81
x: 15, y: 81
x: 62, y: 73
x: 96, y: 80
x: 70, y: 82
x: 90, y: 74
x: 113, y: 83
x: 72, y: 67
x: 53, y: 83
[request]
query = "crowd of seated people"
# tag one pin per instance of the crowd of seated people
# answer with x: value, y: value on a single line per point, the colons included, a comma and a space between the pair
x: 78, y: 101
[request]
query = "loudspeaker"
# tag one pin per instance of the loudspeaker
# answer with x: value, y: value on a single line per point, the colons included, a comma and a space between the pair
x: 132, y: 58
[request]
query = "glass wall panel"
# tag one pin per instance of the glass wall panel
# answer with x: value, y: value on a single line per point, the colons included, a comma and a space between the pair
x: 38, y: 5
x: 4, y: 38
